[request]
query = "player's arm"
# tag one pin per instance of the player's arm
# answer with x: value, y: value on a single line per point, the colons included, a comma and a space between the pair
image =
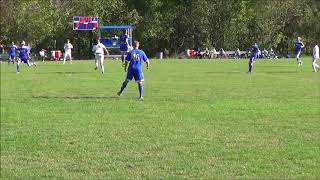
x: 106, y: 50
x: 302, y: 45
x: 145, y: 59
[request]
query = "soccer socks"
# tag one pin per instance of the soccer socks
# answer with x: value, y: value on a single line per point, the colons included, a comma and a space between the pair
x: 250, y: 67
x: 18, y: 68
x: 123, y: 86
x: 299, y: 62
x: 140, y: 89
x: 97, y: 64
x: 315, y: 66
x: 122, y: 58
x: 102, y: 68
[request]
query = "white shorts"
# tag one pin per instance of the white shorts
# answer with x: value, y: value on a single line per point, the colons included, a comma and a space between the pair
x: 67, y: 55
x: 99, y: 57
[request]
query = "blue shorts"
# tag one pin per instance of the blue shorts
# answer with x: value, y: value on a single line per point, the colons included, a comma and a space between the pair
x: 124, y: 47
x: 298, y: 54
x: 253, y: 58
x: 25, y: 61
x: 137, y: 75
x: 12, y: 56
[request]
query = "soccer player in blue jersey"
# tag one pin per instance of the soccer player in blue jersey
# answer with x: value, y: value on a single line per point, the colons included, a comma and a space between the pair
x: 124, y: 45
x: 23, y: 56
x: 135, y: 58
x: 253, y: 56
x: 12, y: 53
x: 298, y: 45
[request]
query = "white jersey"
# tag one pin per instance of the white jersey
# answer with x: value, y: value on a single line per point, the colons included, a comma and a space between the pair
x: 42, y: 53
x: 98, y: 49
x: 68, y: 47
x: 315, y: 52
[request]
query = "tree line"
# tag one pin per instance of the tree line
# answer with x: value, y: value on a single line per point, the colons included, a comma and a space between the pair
x: 171, y: 26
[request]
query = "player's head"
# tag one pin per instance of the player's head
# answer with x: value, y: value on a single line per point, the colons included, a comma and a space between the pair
x: 136, y: 44
x: 12, y: 43
x: 23, y: 43
x: 68, y: 40
x: 124, y: 31
x: 299, y: 38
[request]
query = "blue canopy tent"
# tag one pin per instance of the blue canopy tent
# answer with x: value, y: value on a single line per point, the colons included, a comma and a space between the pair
x: 113, y: 42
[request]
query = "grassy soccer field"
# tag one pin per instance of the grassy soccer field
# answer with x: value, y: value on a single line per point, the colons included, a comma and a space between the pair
x: 199, y: 119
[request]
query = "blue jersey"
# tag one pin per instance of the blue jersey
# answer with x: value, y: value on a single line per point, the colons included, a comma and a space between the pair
x: 123, y: 39
x: 298, y: 45
x: 135, y: 57
x: 24, y: 55
x: 13, y: 50
x: 255, y: 50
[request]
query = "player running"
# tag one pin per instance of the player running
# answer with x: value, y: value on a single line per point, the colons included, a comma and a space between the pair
x: 99, y: 50
x: 124, y: 45
x: 23, y: 56
x: 315, y: 57
x: 12, y: 53
x: 253, y: 56
x: 298, y: 49
x: 67, y: 51
x: 135, y: 58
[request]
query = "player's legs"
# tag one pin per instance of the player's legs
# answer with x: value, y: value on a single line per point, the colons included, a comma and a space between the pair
x: 11, y: 59
x: 140, y: 87
x: 299, y: 61
x: 250, y: 64
x: 123, y: 55
x: 138, y: 76
x: 96, y: 62
x: 125, y: 82
x: 315, y: 66
x: 18, y: 65
x: 64, y: 57
x: 101, y: 59
x: 70, y: 57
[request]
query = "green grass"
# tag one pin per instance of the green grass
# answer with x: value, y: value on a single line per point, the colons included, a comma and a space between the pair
x: 199, y: 119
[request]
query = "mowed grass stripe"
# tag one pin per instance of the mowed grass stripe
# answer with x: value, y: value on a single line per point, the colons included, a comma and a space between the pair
x: 199, y: 119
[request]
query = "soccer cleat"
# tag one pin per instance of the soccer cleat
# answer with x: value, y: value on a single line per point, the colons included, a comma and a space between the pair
x: 35, y: 64
x: 95, y: 68
x: 119, y: 94
x: 141, y: 98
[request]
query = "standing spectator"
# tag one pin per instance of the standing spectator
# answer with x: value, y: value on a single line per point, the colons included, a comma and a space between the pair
x: 42, y: 54
x: 67, y: 51
x: 223, y: 53
x: 237, y: 54
x: 315, y: 57
x: 1, y: 48
x: 272, y: 55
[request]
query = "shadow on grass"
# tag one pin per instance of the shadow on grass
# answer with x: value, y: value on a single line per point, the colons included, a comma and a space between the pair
x: 281, y: 72
x: 59, y: 72
x: 223, y: 72
x: 74, y: 97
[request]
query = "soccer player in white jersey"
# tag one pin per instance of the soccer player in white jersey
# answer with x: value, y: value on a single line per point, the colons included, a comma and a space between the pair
x: 99, y: 50
x: 315, y: 57
x: 67, y: 51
